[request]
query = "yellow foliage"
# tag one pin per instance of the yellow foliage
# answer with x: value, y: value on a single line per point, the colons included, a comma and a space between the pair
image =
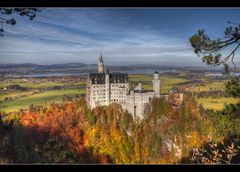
x: 137, y: 152
x: 116, y: 136
x: 194, y: 139
x: 89, y: 137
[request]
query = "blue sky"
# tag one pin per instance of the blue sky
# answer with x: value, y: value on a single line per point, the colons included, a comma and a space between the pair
x: 125, y: 35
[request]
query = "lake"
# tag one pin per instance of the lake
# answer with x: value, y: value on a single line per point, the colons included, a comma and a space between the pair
x: 77, y: 73
x: 220, y: 74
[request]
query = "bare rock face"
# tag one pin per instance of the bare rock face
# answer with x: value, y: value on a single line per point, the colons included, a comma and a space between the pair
x: 6, y: 143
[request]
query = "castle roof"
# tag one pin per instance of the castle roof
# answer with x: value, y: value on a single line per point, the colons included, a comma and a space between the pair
x: 156, y: 72
x: 99, y: 78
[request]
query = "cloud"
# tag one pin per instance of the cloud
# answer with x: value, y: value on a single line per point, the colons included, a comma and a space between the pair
x: 78, y: 35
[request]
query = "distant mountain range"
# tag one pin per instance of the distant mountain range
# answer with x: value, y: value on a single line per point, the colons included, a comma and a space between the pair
x: 76, y: 68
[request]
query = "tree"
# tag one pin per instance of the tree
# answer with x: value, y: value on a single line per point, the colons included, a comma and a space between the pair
x: 210, y: 50
x: 6, y: 142
x: 25, y: 12
x: 224, y: 152
x: 233, y: 87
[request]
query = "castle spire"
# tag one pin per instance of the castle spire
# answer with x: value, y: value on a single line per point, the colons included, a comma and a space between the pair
x: 100, y: 58
x: 100, y: 64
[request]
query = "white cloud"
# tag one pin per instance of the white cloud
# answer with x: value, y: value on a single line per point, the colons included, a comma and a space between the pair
x: 62, y: 36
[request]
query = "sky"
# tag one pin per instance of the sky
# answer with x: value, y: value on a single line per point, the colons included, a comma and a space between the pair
x: 125, y: 36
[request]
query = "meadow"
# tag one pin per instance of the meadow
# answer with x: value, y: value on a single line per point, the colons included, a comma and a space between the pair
x: 213, y: 103
x: 216, y: 85
x: 40, y: 99
x: 14, y: 94
x: 22, y: 99
x: 216, y: 103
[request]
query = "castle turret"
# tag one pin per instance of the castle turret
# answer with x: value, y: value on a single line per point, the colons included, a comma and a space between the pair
x: 107, y: 82
x: 140, y: 85
x: 156, y: 83
x: 100, y: 65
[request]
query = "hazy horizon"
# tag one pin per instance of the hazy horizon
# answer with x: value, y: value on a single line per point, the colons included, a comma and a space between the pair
x: 125, y: 36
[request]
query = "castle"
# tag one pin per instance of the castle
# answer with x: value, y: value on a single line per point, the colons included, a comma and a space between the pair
x: 104, y: 88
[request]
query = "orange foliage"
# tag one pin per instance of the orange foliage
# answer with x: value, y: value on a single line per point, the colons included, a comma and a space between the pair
x: 103, y: 159
x: 65, y: 123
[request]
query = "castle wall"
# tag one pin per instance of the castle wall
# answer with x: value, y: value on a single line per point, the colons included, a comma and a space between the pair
x: 119, y: 92
x: 97, y: 94
x: 137, y: 103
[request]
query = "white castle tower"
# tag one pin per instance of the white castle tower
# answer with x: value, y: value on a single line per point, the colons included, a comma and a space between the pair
x: 100, y: 65
x: 156, y: 83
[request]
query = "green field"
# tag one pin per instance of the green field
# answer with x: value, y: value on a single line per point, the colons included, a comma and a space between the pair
x: 210, y: 86
x: 213, y: 103
x: 13, y: 94
x: 41, y: 98
x: 166, y: 82
x: 216, y: 103
x: 22, y: 99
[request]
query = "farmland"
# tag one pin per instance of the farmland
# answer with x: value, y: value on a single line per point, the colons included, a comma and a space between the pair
x: 40, y: 99
x: 216, y: 103
x: 208, y: 102
x: 38, y: 92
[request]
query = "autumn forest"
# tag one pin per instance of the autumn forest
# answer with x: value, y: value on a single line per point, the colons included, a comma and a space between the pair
x: 50, y: 115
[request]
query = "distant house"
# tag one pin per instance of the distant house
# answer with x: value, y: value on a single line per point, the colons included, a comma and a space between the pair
x: 175, y: 98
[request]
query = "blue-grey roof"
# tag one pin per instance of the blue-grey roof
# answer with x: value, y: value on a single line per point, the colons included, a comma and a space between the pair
x: 99, y: 78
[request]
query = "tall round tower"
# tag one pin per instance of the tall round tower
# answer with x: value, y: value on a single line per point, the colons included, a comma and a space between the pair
x: 156, y: 83
x: 100, y: 65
